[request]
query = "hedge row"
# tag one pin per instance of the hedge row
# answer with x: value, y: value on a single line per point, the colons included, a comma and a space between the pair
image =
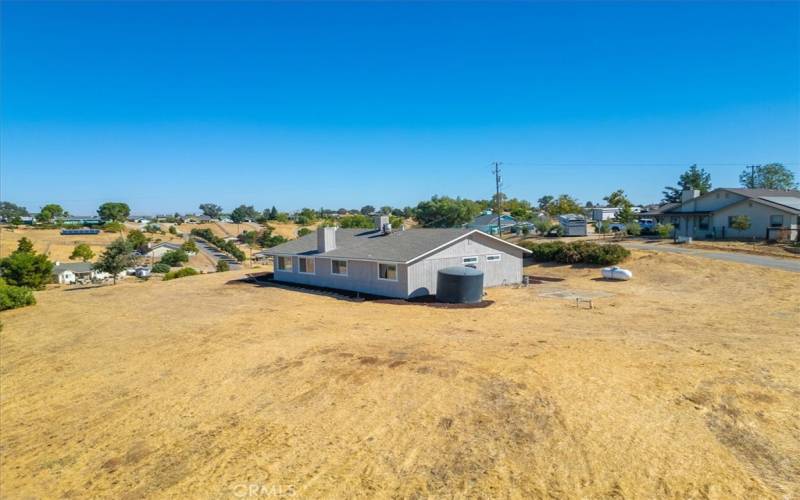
x: 577, y: 252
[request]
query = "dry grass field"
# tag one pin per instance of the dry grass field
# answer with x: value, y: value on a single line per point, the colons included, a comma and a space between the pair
x: 683, y: 383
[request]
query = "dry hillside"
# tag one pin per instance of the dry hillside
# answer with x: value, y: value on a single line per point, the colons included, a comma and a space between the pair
x: 684, y: 382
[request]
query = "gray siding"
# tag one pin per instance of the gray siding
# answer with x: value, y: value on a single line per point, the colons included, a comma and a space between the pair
x: 362, y: 276
x: 422, y: 275
x: 711, y: 202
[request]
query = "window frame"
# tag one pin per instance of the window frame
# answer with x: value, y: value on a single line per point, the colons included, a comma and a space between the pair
x: 772, y: 224
x: 495, y: 257
x: 283, y: 268
x: 396, y: 271
x: 346, y: 267
x: 469, y: 260
x: 306, y: 259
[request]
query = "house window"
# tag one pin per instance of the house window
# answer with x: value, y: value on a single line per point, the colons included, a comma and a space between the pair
x: 387, y: 272
x: 703, y: 222
x: 339, y: 267
x: 285, y: 264
x: 306, y: 265
x: 493, y: 258
x: 776, y: 221
x: 470, y: 260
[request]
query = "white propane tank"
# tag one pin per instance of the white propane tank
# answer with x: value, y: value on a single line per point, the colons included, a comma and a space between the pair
x: 617, y: 273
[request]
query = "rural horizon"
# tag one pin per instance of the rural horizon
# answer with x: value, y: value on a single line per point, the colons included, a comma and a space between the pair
x: 399, y: 250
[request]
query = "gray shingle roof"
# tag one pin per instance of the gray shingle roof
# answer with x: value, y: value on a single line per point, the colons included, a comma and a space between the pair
x: 75, y: 267
x: 370, y: 244
x: 760, y: 193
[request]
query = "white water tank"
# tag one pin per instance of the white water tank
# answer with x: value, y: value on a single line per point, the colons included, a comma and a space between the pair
x: 617, y: 273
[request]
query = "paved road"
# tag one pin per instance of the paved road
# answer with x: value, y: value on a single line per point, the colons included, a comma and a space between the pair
x: 215, y: 254
x: 792, y: 265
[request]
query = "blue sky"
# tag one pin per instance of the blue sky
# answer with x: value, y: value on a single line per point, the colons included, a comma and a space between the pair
x: 167, y: 105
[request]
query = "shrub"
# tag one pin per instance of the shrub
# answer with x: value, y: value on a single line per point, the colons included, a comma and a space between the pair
x: 664, y: 230
x: 604, y: 227
x: 222, y: 266
x: 26, y: 269
x: 160, y: 268
x: 606, y: 255
x: 175, y: 257
x: 173, y: 230
x: 113, y: 227
x: 12, y: 297
x: 633, y: 228
x: 303, y: 231
x: 180, y: 273
x: 577, y: 252
x: 543, y: 252
x: 189, y: 246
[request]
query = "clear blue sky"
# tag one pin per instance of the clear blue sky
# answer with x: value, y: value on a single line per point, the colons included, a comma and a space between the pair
x: 167, y: 105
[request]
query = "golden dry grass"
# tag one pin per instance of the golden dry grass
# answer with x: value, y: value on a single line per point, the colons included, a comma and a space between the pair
x: 684, y: 383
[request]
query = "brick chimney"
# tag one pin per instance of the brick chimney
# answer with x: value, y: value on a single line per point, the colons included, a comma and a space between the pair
x: 326, y: 239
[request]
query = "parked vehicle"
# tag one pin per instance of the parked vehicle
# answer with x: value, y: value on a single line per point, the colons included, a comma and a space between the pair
x: 617, y: 227
x: 647, y: 225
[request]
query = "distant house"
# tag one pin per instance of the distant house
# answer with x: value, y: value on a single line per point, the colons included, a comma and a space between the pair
x: 158, y: 250
x: 773, y: 214
x: 600, y: 214
x: 487, y: 222
x: 69, y: 273
x: 398, y: 264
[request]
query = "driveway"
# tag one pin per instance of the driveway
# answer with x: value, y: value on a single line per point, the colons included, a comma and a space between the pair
x: 215, y: 254
x: 742, y: 258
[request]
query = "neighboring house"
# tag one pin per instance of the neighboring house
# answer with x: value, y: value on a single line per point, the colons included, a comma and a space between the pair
x: 69, y: 273
x: 773, y: 214
x: 159, y: 249
x: 398, y: 264
x: 600, y: 214
x: 487, y: 222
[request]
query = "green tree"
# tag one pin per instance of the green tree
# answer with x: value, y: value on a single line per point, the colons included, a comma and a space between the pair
x: 117, y: 257
x: 173, y: 230
x: 114, y: 211
x: 82, y: 251
x: 770, y: 176
x: 356, y: 221
x: 273, y: 213
x: 24, y: 245
x: 9, y: 210
x: 211, y: 210
x: 544, y: 202
x: 49, y: 213
x: 243, y: 213
x: 386, y: 210
x: 694, y: 178
x: 564, y: 204
x: 306, y: 217
x: 189, y: 247
x: 222, y: 266
x: 741, y: 223
x: 12, y: 297
x: 367, y: 210
x: 26, y: 268
x: 175, y: 257
x: 543, y: 225
x: 137, y: 239
x: 152, y: 228
x: 626, y: 215
x: 113, y: 227
x: 446, y: 212
x: 618, y: 199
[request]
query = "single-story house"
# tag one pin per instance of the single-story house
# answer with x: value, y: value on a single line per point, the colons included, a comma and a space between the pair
x: 773, y: 213
x: 158, y: 250
x: 69, y: 273
x: 82, y: 221
x: 399, y: 264
x: 487, y: 222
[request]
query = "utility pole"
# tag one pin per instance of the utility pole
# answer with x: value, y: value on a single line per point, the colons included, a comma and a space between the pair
x: 753, y: 175
x: 497, y: 202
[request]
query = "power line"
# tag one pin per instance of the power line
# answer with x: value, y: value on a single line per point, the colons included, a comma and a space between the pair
x: 497, y: 202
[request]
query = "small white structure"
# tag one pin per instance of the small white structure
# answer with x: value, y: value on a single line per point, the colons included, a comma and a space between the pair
x: 159, y: 249
x: 599, y: 214
x: 616, y: 273
x: 80, y: 272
